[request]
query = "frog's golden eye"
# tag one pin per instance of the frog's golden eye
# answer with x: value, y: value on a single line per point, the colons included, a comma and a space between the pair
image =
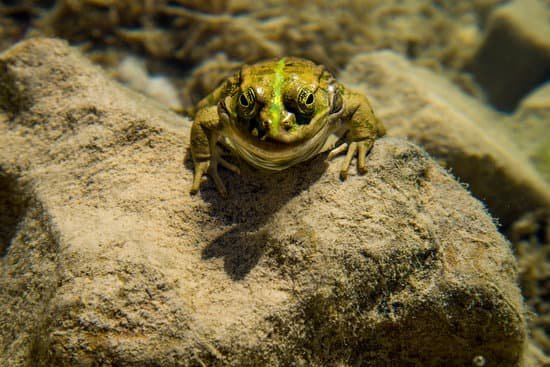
x: 306, y: 101
x: 247, y: 98
x: 247, y: 103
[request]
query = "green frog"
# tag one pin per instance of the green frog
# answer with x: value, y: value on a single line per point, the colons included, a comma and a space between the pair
x: 278, y: 113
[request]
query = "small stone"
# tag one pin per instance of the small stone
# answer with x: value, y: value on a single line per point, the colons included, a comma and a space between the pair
x: 531, y: 126
x: 538, y: 101
x: 479, y: 361
x: 514, y: 56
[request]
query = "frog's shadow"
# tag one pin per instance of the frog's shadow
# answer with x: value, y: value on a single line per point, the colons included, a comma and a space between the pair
x: 253, y: 198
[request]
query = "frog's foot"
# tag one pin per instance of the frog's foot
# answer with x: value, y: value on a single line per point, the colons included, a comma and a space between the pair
x: 359, y: 148
x: 211, y: 167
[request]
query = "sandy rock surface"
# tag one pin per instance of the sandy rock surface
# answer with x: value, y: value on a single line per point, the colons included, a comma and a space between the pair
x: 464, y: 135
x: 109, y: 260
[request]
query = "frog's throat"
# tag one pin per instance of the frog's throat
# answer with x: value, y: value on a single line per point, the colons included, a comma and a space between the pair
x: 277, y: 97
x: 272, y: 156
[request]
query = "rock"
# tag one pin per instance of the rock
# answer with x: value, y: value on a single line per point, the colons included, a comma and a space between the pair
x: 112, y: 262
x: 460, y: 132
x: 530, y: 125
x: 514, y: 56
x: 530, y: 237
x: 537, y: 102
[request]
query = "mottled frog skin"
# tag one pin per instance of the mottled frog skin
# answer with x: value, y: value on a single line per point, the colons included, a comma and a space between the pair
x: 277, y: 113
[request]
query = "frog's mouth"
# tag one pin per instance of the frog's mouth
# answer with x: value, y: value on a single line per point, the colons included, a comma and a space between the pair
x: 288, y: 149
x: 298, y: 134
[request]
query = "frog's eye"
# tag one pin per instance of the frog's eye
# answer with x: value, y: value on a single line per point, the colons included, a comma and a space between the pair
x: 246, y: 99
x: 247, y: 103
x: 306, y: 101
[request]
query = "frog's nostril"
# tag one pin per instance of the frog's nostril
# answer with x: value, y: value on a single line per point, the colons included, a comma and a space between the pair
x: 289, y: 120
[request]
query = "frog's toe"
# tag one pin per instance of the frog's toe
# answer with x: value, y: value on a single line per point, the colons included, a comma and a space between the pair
x: 221, y: 188
x: 337, y: 151
x: 343, y: 175
x: 229, y: 166
x: 352, y: 149
x: 362, y: 151
x: 213, y: 172
x: 200, y: 170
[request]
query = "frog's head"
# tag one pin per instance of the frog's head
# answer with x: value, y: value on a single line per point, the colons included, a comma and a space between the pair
x: 282, y: 101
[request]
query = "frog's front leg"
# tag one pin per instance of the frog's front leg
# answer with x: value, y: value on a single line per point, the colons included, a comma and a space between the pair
x: 205, y: 151
x: 364, y: 128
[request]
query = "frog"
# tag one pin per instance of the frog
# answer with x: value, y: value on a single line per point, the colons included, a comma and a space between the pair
x: 277, y: 113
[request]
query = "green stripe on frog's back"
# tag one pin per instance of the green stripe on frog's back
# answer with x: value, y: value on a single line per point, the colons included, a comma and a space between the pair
x: 277, y: 97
